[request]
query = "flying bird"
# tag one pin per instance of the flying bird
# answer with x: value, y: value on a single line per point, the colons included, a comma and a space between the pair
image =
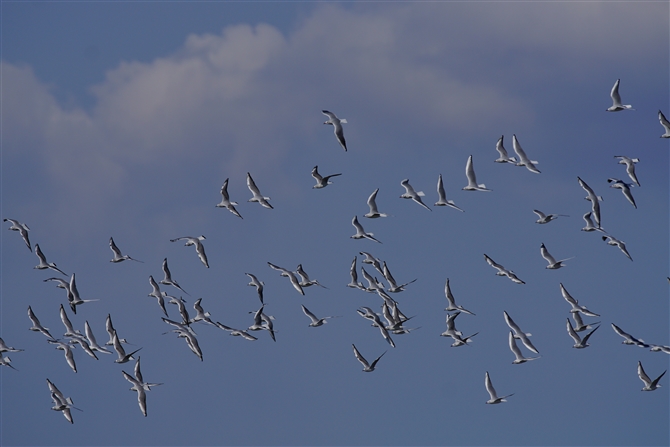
x: 43, y: 262
x: 225, y: 200
x: 624, y: 187
x: 665, y: 123
x: 236, y: 332
x: 118, y: 257
x: 523, y: 158
x: 590, y: 226
x: 452, y: 301
x: 442, y: 196
x: 611, y: 240
x: 576, y: 307
x: 92, y: 341
x: 360, y: 232
x: 546, y: 218
x: 37, y: 326
x: 519, y: 357
x: 393, y: 285
x: 553, y: 263
x: 372, y: 203
x: 580, y: 343
x: 410, y: 193
x: 167, y: 278
x: 199, y: 248
x: 594, y: 199
x: 258, y: 284
x: 367, y: 367
x: 337, y: 125
x: 649, y: 385
x: 156, y: 293
x: 354, y: 283
x: 629, y: 339
x: 502, y: 271
x: 617, y: 106
x: 519, y: 334
x: 22, y: 229
x: 494, y: 399
x: 257, y: 196
x: 472, y: 179
x: 121, y: 353
x: 5, y: 348
x: 630, y: 166
x: 321, y: 181
x: 316, y: 322
x: 290, y: 275
x: 61, y: 403
x: 504, y: 157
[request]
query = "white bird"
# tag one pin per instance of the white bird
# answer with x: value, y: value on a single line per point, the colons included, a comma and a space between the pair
x: 199, y: 248
x: 393, y: 286
x: 305, y: 280
x: 225, y: 200
x: 410, y: 193
x: 316, y: 322
x: 472, y: 179
x: 502, y: 271
x: 37, y: 326
x: 354, y: 283
x: 442, y: 196
x: 67, y: 350
x: 518, y: 333
x: 185, y: 318
x: 369, y: 259
x: 5, y: 348
x: 118, y: 257
x: 373, y: 285
x: 22, y: 229
x: 660, y: 348
x: 372, y: 203
x: 451, y: 330
x: 553, y: 263
x: 138, y: 375
x: 452, y: 301
x: 43, y: 262
x: 504, y: 157
x: 624, y: 187
x: 630, y: 166
x: 61, y: 403
x: 70, y: 332
x: 649, y: 385
x: 494, y: 399
x: 611, y: 240
x: 156, y: 293
x: 73, y: 295
x: 665, y: 123
x: 290, y: 275
x: 262, y: 322
x: 360, y: 232
x: 590, y: 226
x: 594, y: 199
x: 617, y: 106
x: 576, y: 307
x: 523, y: 158
x: 141, y: 393
x: 6, y: 361
x: 167, y: 279
x: 579, y: 323
x: 367, y: 367
x: 546, y: 218
x: 92, y: 341
x: 580, y: 343
x: 629, y: 339
x: 122, y: 356
x: 337, y: 125
x: 258, y: 197
x: 370, y: 315
x: 109, y: 327
x: 236, y: 332
x: 201, y: 315
x: 258, y: 284
x: 519, y: 357
x: 321, y: 181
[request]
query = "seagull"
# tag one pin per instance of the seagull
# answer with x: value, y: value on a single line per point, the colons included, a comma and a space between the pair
x: 43, y: 262
x: 123, y: 357
x: 141, y: 393
x: 518, y: 333
x: 360, y: 232
x: 316, y: 322
x: 67, y: 350
x: 372, y: 203
x: 37, y: 326
x: 236, y: 332
x: 579, y: 323
x: 201, y: 315
x: 371, y: 315
x: 594, y: 199
x: 258, y: 197
x: 185, y: 332
x: 138, y: 375
x: 611, y: 240
x: 472, y: 179
x: 451, y: 330
x: 649, y: 385
x: 504, y: 157
x: 61, y: 403
x: 580, y: 343
x: 291, y: 276
x: 624, y: 187
x: 354, y: 276
x: 523, y: 158
x: 590, y: 226
x: 258, y: 284
x: 411, y: 194
x: 337, y: 124
x: 630, y: 166
x: 553, y: 263
x: 306, y: 282
x: 225, y: 200
x: 22, y: 229
x: 502, y: 271
x: 546, y: 218
x: 185, y: 318
x: 5, y: 348
x: 70, y: 332
x: 576, y: 307
x: 367, y: 367
x: 442, y: 197
x: 369, y: 259
x: 616, y: 100
x: 269, y: 326
x: 199, y: 248
x: 112, y: 332
x: 321, y: 181
x: 6, y: 361
x: 92, y: 342
x: 517, y: 352
x: 73, y: 296
x: 665, y: 124
x: 492, y: 392
x: 660, y: 348
x: 118, y: 257
x: 452, y: 301
x: 373, y: 285
x: 263, y: 322
x: 156, y: 293
x: 629, y: 339
x: 394, y: 287
x: 167, y: 280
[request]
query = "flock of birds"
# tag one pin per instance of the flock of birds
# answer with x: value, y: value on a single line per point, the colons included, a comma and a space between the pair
x: 390, y: 322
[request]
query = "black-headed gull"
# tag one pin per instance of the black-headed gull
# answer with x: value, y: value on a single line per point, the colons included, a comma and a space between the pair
x: 121, y: 353
x: 519, y: 357
x: 321, y: 180
x: 629, y: 339
x: 118, y: 256
x: 141, y: 393
x: 611, y: 240
x: 337, y: 125
x: 624, y: 187
x: 167, y: 277
x: 67, y: 350
x: 225, y: 200
x: 519, y: 334
x: 37, y: 326
x: 523, y: 158
x: 649, y: 385
x: 5, y: 348
x: 360, y: 232
x: 546, y: 218
x: 576, y: 307
x: 494, y: 399
x: 502, y: 271
x: 92, y: 341
x: 305, y: 281
x: 315, y: 321
x: 61, y: 403
x: 367, y: 367
x: 452, y: 301
x: 665, y: 123
x: 594, y: 199
x: 393, y: 285
x: 617, y: 106
x: 258, y: 197
x: 580, y: 326
x: 43, y: 262
x: 109, y: 327
x: 410, y: 193
x: 6, y: 361
x: 504, y: 157
x: 372, y: 203
x: 369, y: 259
x: 590, y: 226
x: 630, y: 167
x: 580, y: 343
x: 22, y: 229
x: 199, y: 248
x: 257, y: 284
x: 290, y: 275
x: 156, y: 293
x: 200, y: 314
x: 73, y: 295
x: 472, y: 178
x: 442, y: 196
x: 553, y: 263
x: 354, y: 283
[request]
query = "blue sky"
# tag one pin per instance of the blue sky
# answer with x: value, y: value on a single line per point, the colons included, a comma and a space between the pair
x: 124, y: 119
